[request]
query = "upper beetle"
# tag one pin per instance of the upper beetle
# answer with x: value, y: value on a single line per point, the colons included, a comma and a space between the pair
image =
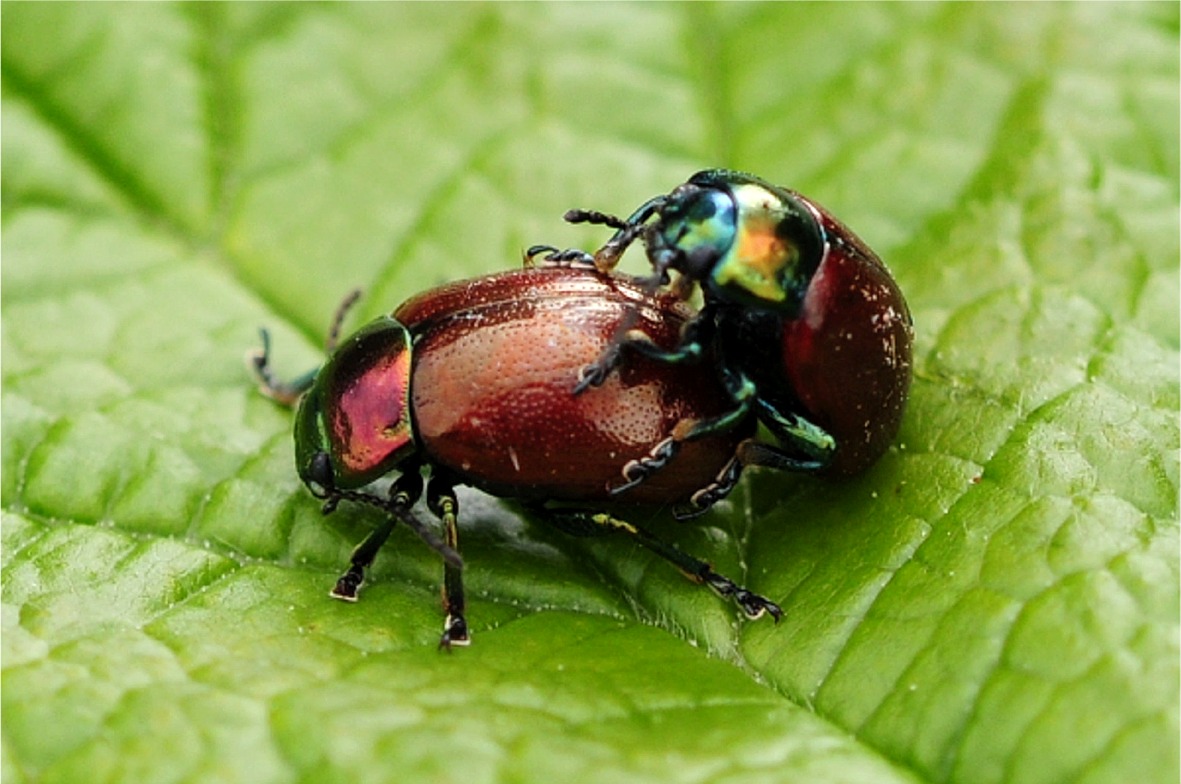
x: 803, y: 322
x: 472, y: 380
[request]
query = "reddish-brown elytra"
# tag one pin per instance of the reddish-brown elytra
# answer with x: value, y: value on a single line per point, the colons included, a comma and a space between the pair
x: 474, y: 381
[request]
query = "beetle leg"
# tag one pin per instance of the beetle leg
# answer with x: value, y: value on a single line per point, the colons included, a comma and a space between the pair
x: 442, y: 501
x: 752, y: 453
x: 636, y: 471
x: 403, y: 493
x: 691, y: 349
x: 816, y: 455
x: 697, y: 334
x: 350, y: 582
x: 590, y: 523
x: 701, y: 501
x: 571, y: 257
x: 595, y: 373
x: 605, y: 260
x: 812, y: 445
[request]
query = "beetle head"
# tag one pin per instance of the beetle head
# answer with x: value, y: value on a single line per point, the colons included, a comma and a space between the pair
x: 354, y: 424
x: 746, y: 241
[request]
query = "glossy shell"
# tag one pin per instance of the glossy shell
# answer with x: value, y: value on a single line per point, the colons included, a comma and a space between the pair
x: 495, y: 363
x: 359, y: 407
x: 848, y: 354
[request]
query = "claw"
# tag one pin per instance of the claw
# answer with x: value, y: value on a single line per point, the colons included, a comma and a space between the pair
x: 689, y: 511
x: 755, y: 606
x: 629, y: 484
x: 636, y: 471
x: 752, y: 605
x: 571, y: 257
x: 348, y: 585
x: 594, y: 374
x: 455, y: 633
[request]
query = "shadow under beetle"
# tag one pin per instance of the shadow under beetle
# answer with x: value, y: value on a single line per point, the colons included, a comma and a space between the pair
x: 473, y: 382
x: 802, y: 323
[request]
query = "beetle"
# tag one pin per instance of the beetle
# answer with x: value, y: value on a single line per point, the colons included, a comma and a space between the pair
x: 471, y: 382
x: 802, y: 322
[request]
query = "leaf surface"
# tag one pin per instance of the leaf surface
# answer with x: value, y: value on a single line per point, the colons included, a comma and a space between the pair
x: 996, y: 600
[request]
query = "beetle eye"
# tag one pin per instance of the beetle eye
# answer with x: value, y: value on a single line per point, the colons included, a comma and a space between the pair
x: 701, y: 226
x: 320, y: 479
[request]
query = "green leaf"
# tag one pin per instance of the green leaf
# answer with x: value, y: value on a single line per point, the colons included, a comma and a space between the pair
x: 996, y: 600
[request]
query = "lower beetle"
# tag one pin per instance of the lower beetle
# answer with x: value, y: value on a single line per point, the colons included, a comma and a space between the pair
x: 473, y: 382
x: 804, y: 323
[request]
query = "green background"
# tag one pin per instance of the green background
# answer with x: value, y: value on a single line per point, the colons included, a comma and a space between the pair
x: 996, y: 600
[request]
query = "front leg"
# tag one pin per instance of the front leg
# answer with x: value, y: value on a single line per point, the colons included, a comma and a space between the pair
x: 404, y: 492
x: 349, y: 584
x: 571, y: 257
x: 697, y: 334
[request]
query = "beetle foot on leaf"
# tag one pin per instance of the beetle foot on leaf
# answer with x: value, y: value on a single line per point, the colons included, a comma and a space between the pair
x: 752, y: 605
x: 347, y: 586
x: 454, y: 633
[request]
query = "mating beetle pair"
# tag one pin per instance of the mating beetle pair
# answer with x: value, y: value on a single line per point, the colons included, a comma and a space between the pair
x: 552, y: 384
